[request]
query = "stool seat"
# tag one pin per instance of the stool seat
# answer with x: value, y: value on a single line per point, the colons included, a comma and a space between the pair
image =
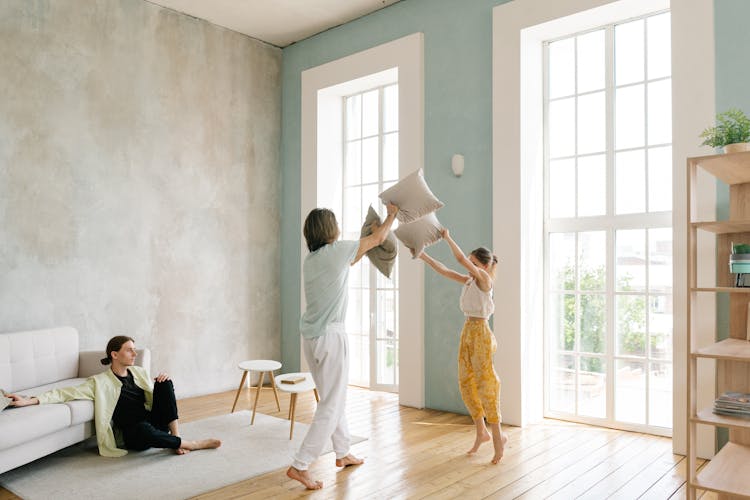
x: 259, y: 365
x: 302, y: 386
x: 263, y: 366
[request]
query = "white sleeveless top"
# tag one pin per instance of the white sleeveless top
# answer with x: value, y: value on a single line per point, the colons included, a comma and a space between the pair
x: 474, y: 302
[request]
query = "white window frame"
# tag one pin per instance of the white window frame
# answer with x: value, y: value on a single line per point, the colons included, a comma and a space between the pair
x: 609, y: 223
x: 322, y: 89
x: 373, y: 273
x: 519, y: 28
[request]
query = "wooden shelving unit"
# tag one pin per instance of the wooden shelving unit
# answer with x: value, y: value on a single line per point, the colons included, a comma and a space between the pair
x: 728, y: 473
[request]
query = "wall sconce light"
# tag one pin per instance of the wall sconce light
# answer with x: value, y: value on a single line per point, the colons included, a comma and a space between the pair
x: 457, y: 165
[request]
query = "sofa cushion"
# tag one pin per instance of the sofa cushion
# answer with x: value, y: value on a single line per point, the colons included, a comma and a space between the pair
x: 80, y: 411
x: 68, y: 382
x: 21, y: 425
x: 38, y: 357
x: 89, y: 362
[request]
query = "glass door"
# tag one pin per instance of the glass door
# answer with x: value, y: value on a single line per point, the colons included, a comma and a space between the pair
x: 608, y: 226
x: 370, y: 166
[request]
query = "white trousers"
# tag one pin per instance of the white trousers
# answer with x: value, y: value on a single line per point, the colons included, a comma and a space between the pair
x: 328, y: 358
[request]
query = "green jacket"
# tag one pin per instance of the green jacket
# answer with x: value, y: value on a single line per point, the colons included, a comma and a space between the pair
x: 104, y: 390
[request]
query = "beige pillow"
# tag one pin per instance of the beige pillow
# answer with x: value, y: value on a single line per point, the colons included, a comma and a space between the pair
x: 420, y: 234
x: 4, y: 402
x: 412, y: 196
x: 383, y: 257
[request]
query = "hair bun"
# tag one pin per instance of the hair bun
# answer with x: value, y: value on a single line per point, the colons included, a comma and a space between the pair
x: 105, y: 361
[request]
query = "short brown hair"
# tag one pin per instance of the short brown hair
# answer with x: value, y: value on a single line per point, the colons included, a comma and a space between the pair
x: 114, y: 345
x: 320, y: 228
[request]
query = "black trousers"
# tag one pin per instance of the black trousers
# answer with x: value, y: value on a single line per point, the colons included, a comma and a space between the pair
x: 154, y: 431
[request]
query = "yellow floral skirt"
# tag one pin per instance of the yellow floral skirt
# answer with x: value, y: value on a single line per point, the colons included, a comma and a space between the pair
x: 477, y: 379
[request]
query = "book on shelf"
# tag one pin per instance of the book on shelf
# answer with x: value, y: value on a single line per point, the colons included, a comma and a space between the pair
x: 729, y: 406
x: 735, y: 397
x: 734, y: 404
x: 293, y: 380
x: 732, y: 413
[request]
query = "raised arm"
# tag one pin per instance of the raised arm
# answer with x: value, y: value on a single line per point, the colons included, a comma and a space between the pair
x: 378, y: 235
x: 483, y: 279
x: 440, y: 268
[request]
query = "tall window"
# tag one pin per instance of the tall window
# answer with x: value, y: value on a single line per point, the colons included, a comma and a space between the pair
x: 608, y: 236
x: 370, y: 166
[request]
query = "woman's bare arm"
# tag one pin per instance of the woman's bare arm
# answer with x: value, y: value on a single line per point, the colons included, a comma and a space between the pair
x: 483, y: 279
x: 442, y: 270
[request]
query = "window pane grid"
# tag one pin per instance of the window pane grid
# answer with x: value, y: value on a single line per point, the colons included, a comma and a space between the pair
x: 370, y: 155
x: 640, y: 82
x: 635, y: 150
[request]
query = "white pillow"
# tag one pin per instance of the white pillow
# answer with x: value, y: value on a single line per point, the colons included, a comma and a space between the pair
x: 412, y: 196
x: 418, y: 235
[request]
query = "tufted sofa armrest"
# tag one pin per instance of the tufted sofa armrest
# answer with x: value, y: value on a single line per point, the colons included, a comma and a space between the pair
x: 89, y: 362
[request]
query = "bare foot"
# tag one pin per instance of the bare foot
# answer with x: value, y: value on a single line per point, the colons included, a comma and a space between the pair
x: 481, y: 439
x: 348, y: 460
x: 173, y: 431
x: 499, y: 448
x: 303, y: 477
x: 200, y: 445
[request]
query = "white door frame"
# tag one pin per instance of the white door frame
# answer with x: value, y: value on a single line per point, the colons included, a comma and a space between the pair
x: 322, y: 87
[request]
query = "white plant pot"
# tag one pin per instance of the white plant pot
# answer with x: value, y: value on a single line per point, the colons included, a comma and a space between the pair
x: 737, y: 147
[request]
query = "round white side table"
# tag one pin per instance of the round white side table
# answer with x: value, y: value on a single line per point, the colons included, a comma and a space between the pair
x: 303, y: 386
x: 263, y: 366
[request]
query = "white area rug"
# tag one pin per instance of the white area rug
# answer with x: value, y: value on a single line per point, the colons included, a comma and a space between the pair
x: 78, y: 472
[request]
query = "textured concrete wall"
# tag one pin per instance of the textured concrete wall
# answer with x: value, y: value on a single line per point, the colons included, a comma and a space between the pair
x: 139, y: 183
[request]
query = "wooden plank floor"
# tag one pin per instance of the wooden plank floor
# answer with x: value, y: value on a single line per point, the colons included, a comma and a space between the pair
x: 416, y: 454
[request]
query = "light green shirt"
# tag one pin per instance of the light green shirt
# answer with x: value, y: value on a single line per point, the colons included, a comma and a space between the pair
x: 326, y: 277
x: 104, y: 390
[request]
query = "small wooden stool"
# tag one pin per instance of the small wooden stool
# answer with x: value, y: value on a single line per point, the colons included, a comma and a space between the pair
x: 263, y: 366
x: 306, y: 385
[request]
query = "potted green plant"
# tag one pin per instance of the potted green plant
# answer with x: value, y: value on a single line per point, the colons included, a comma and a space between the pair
x: 732, y: 132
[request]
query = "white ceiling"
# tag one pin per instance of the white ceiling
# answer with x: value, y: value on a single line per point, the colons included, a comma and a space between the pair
x: 278, y: 22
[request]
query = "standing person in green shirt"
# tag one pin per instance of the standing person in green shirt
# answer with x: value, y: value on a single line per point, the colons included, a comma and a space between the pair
x: 129, y: 413
x: 326, y: 273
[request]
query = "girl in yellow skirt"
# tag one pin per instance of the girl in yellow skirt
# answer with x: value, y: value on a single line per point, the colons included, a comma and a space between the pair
x: 477, y: 379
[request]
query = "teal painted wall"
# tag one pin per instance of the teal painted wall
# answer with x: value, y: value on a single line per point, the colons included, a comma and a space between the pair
x: 458, y: 119
x: 732, y: 72
x: 732, y: 91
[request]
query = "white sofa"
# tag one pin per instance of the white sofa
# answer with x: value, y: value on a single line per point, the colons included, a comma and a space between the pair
x: 32, y: 362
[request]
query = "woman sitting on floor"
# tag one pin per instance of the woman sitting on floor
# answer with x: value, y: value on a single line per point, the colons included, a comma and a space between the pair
x: 126, y: 403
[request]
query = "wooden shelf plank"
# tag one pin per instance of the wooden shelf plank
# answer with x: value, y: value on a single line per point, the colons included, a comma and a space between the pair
x: 728, y: 472
x: 723, y: 289
x: 708, y: 417
x: 731, y: 168
x: 724, y: 226
x: 732, y: 349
